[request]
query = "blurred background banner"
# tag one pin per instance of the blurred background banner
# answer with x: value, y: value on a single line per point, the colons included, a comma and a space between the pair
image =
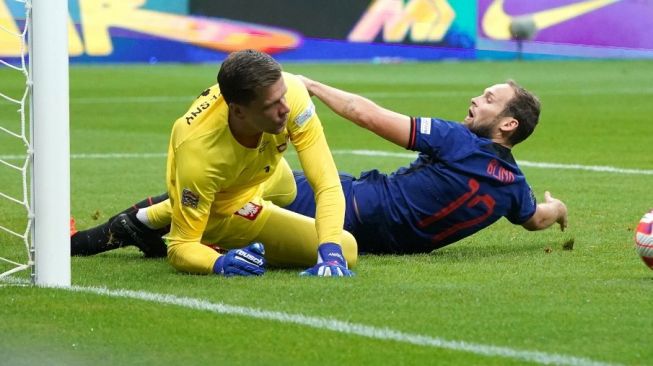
x: 152, y: 31
x: 576, y: 28
x: 382, y: 30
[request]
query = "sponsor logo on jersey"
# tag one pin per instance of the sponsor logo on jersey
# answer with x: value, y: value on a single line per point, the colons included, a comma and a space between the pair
x: 189, y: 198
x: 305, y: 115
x: 250, y: 211
x: 425, y: 126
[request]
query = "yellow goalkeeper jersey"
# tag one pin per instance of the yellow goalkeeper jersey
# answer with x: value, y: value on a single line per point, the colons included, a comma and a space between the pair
x: 210, y: 176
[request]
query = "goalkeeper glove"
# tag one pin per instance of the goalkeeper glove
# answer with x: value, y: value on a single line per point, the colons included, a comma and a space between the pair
x: 246, y: 261
x: 330, y: 262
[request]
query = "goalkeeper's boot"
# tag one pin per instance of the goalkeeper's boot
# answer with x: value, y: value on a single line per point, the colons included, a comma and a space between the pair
x: 73, y: 226
x: 133, y: 232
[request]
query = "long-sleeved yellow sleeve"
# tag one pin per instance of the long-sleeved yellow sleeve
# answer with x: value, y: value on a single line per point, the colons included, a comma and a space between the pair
x: 321, y: 172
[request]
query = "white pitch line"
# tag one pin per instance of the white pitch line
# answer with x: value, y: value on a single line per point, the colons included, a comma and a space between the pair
x: 530, y: 164
x: 370, y: 153
x: 340, y: 326
x: 591, y: 168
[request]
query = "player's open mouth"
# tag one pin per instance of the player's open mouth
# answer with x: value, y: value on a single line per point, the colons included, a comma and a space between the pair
x: 470, y: 114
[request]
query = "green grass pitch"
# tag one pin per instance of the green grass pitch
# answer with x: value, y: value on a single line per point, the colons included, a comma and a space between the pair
x: 504, y: 296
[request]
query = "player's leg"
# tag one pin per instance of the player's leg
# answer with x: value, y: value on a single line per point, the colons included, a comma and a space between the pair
x: 280, y: 188
x: 109, y: 236
x: 304, y: 202
x: 290, y: 239
x: 291, y: 190
x: 157, y: 216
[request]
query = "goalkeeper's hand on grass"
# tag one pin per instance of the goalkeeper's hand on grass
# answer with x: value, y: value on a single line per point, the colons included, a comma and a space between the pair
x: 330, y: 262
x: 246, y: 261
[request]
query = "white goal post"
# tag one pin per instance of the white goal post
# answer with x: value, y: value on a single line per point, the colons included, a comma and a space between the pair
x: 48, y: 45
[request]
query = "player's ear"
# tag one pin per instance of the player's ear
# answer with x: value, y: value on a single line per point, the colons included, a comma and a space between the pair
x: 237, y: 110
x: 508, y: 124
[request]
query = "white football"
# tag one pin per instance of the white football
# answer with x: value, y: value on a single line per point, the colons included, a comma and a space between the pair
x: 644, y: 239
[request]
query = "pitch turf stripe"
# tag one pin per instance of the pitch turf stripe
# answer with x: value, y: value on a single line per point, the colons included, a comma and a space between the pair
x: 340, y: 326
x: 371, y: 153
x: 134, y: 100
x: 398, y: 94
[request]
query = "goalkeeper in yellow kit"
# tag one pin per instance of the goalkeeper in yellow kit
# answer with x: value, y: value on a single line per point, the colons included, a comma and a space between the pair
x: 222, y: 152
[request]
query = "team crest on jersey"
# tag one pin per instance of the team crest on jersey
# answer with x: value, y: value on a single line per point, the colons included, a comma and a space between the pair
x: 305, y: 115
x: 189, y: 198
x: 281, y: 148
x: 250, y: 211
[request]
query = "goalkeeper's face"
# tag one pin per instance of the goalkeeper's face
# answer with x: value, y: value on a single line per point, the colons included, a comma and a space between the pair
x: 269, y: 111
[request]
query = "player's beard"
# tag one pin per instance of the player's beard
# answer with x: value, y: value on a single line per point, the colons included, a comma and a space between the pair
x: 481, y: 130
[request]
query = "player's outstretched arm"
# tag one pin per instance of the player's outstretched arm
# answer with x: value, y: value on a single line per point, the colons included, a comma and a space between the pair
x: 549, y: 212
x: 392, y: 126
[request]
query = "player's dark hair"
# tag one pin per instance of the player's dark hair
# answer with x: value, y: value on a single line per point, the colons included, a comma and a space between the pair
x: 525, y: 108
x: 243, y: 73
